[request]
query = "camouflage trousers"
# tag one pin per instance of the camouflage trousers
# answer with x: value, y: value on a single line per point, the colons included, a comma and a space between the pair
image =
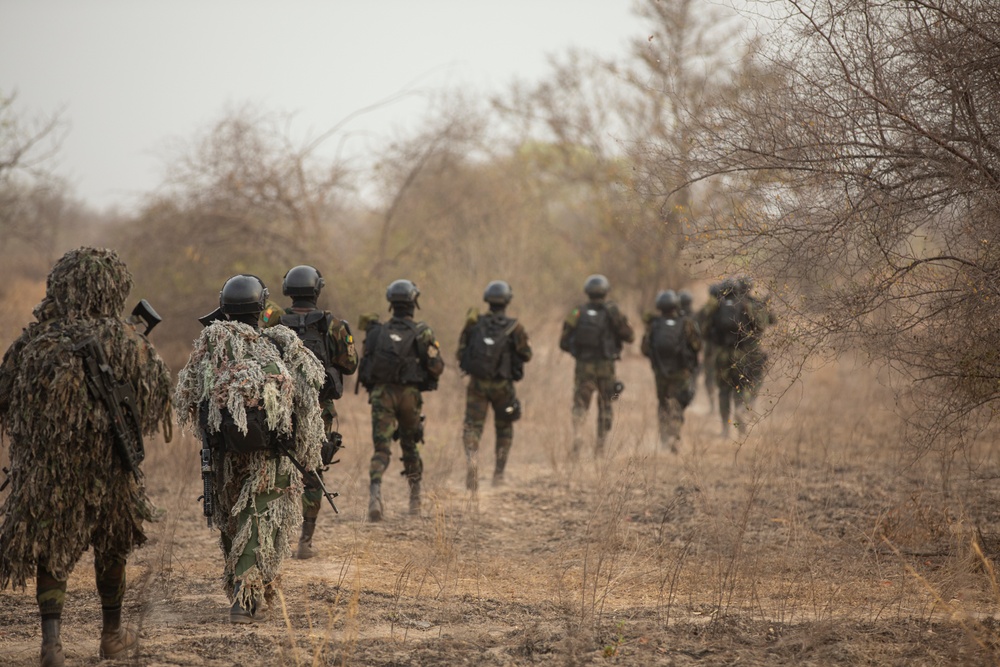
x: 739, y: 372
x: 674, y: 393
x: 592, y: 377
x: 708, y: 355
x: 109, y: 571
x: 396, y: 412
x: 247, y: 520
x: 479, y: 396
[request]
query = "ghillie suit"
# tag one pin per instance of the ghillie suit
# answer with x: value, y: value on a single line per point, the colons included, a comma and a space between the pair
x: 68, y: 488
x: 257, y: 503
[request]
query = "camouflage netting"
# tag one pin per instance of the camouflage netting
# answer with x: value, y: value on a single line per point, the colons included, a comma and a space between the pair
x: 236, y: 366
x: 69, y: 489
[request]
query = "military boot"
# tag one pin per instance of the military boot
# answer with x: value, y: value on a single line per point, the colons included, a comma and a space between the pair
x: 503, y: 451
x: 375, y: 501
x: 52, y: 650
x: 115, y: 640
x: 414, y: 496
x: 305, y: 549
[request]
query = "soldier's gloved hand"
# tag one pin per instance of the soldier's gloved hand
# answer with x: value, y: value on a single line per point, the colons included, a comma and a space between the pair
x: 334, y: 443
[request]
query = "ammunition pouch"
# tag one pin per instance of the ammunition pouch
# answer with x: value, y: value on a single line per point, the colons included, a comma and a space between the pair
x: 512, y: 411
x: 257, y: 438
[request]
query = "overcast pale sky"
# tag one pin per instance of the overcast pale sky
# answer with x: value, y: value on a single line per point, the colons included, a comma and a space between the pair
x: 132, y: 74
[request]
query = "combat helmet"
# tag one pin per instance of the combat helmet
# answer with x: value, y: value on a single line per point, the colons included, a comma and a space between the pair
x: 686, y: 300
x: 667, y: 300
x: 242, y: 294
x: 303, y: 280
x: 498, y: 293
x: 596, y: 286
x: 402, y: 291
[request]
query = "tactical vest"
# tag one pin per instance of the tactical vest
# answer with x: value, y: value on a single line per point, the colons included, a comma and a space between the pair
x: 392, y: 354
x: 313, y: 329
x: 668, y: 344
x: 731, y: 322
x: 593, y: 338
x: 488, y: 354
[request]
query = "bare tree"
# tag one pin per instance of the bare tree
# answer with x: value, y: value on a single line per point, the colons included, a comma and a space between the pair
x: 32, y: 199
x: 867, y: 172
x: 636, y: 121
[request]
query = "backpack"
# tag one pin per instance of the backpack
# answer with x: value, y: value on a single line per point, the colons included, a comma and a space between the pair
x: 592, y: 337
x: 668, y: 345
x: 312, y: 329
x: 487, y: 354
x: 391, y: 355
x: 731, y: 322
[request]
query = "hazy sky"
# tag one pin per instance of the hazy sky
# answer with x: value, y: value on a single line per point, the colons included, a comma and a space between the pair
x: 132, y: 74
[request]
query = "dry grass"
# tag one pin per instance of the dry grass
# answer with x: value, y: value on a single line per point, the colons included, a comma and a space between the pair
x: 814, y: 541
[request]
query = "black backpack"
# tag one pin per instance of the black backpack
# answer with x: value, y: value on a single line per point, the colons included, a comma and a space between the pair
x: 487, y: 354
x: 731, y: 322
x: 312, y: 328
x: 592, y: 338
x: 391, y: 355
x: 668, y: 345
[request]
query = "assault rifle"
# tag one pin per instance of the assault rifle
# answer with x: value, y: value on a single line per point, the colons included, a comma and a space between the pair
x: 119, y: 400
x: 282, y: 447
x: 118, y: 397
x: 207, y: 482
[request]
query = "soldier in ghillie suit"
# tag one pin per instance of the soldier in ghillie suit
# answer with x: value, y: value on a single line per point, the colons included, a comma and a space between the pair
x: 594, y: 333
x: 672, y: 341
x: 401, y: 359
x: 248, y: 392
x: 72, y: 487
x: 492, y: 349
x: 330, y: 339
x: 735, y: 324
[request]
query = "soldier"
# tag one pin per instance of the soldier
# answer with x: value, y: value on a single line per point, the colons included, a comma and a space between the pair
x: 492, y: 349
x: 401, y: 359
x: 672, y: 341
x: 253, y: 397
x: 735, y: 324
x: 594, y: 333
x: 75, y: 480
x: 330, y: 339
x: 709, y: 348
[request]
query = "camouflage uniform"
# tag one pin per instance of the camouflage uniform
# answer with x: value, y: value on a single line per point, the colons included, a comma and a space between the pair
x: 397, y: 413
x: 69, y: 487
x: 482, y: 393
x: 257, y: 495
x: 344, y: 357
x: 708, y: 353
x: 675, y: 389
x: 740, y: 367
x: 595, y: 374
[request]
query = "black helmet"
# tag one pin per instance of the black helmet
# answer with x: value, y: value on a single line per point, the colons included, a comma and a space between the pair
x: 302, y: 280
x: 402, y: 291
x: 596, y: 286
x: 498, y: 293
x: 715, y: 290
x: 667, y: 300
x: 727, y: 287
x: 243, y: 294
x: 686, y: 300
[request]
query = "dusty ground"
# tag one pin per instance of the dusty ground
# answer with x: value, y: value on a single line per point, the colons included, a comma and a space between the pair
x: 810, y: 543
